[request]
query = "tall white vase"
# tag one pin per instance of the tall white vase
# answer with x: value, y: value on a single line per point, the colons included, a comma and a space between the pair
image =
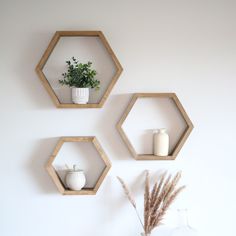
x: 80, y: 95
x: 161, y: 142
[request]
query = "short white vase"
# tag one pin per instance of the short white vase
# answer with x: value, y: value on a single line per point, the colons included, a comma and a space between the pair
x: 75, y: 179
x: 80, y: 95
x: 161, y: 142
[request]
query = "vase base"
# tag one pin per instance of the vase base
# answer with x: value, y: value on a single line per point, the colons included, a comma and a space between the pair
x: 80, y: 102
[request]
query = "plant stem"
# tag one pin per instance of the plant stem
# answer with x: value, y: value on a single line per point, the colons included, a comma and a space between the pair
x: 139, y: 218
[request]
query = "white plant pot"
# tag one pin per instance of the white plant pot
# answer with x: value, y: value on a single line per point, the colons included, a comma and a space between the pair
x: 80, y: 95
x: 161, y: 142
x: 75, y: 180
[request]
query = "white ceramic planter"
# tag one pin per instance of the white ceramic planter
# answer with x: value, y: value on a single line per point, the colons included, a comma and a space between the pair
x: 75, y: 179
x: 161, y: 142
x: 80, y: 95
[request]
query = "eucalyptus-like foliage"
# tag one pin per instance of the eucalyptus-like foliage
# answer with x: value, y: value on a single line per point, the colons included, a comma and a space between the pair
x: 80, y: 75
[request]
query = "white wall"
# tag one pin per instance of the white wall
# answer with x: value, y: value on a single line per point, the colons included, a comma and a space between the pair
x: 184, y: 46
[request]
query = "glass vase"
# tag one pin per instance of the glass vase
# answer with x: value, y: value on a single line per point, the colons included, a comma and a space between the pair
x: 183, y: 228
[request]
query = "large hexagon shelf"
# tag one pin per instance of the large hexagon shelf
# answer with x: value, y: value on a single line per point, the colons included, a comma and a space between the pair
x: 177, y: 110
x: 85, y: 44
x: 55, y: 174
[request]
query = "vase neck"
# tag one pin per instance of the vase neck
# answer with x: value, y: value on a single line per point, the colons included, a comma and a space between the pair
x: 183, y: 217
x: 162, y: 131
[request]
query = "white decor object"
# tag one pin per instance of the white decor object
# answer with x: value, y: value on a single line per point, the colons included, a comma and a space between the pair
x: 161, y: 142
x: 75, y: 179
x: 80, y: 95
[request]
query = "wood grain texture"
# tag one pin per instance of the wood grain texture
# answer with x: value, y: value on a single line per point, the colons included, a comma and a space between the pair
x: 106, y: 161
x: 55, y: 177
x: 49, y: 50
x: 180, y: 142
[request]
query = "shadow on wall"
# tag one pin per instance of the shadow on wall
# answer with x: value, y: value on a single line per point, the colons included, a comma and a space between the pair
x: 31, y: 52
x: 114, y: 203
x: 120, y: 200
x: 44, y: 147
x: 36, y: 165
x: 29, y: 82
x: 106, y: 125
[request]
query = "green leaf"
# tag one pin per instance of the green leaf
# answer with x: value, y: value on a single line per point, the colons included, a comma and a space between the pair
x: 80, y: 75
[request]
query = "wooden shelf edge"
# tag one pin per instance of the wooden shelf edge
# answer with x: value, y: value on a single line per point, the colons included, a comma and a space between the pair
x: 55, y: 176
x: 73, y: 105
x: 180, y: 142
x: 151, y: 157
x: 49, y: 50
x: 80, y: 192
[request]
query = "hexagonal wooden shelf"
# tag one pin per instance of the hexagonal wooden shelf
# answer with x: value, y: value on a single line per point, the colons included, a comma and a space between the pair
x: 55, y: 177
x: 180, y: 142
x: 50, y: 48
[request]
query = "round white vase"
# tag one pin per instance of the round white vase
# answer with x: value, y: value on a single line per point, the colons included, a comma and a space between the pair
x: 75, y: 179
x: 161, y: 142
x: 80, y: 95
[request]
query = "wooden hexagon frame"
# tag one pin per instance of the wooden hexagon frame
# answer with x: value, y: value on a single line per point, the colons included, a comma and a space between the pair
x: 182, y: 139
x: 55, y: 177
x: 50, y: 48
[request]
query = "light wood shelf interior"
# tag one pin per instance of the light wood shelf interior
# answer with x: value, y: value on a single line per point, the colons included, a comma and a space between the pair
x: 181, y: 140
x: 54, y: 41
x: 55, y: 176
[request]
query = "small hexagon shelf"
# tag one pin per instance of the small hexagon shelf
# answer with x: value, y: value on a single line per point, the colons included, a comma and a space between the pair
x: 174, y: 108
x: 86, y: 45
x: 55, y: 174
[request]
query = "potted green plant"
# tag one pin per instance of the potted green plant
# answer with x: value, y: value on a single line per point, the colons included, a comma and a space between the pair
x: 80, y: 77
